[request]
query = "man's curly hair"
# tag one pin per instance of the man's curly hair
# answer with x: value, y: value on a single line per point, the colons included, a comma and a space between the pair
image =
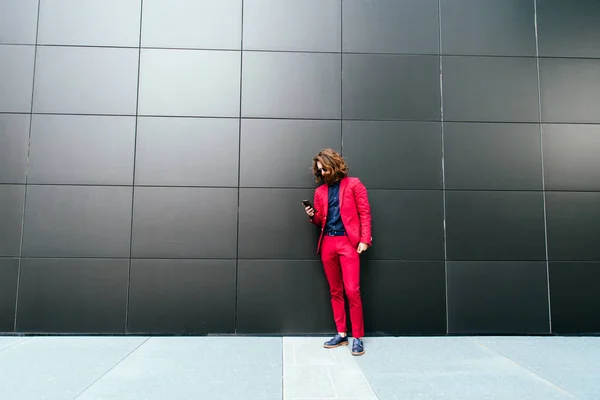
x: 331, y: 161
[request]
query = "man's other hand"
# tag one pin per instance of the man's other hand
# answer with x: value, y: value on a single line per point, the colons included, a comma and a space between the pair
x: 362, y: 247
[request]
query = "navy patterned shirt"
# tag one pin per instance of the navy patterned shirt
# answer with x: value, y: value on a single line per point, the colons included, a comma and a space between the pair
x: 334, y: 219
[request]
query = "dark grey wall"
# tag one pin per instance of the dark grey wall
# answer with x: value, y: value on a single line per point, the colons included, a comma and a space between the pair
x: 153, y: 157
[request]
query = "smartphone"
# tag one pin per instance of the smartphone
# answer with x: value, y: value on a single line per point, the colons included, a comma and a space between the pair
x: 307, y: 203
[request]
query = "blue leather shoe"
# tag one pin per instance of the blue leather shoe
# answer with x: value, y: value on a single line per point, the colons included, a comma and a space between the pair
x: 358, y: 348
x: 336, y: 341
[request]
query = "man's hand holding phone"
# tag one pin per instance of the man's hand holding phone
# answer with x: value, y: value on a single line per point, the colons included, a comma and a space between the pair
x: 310, y: 211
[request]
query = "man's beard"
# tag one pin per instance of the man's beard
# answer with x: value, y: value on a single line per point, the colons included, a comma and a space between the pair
x: 330, y: 179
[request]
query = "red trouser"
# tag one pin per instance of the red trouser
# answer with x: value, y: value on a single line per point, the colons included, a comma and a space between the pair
x: 342, y: 269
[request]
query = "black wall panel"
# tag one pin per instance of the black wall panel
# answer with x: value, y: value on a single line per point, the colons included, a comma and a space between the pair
x: 21, y: 26
x: 16, y: 78
x: 394, y: 154
x: 497, y: 297
x: 14, y: 143
x: 290, y: 25
x: 573, y: 220
x: 182, y: 296
x: 569, y: 28
x: 491, y: 89
x: 85, y: 80
x: 77, y: 221
x: 81, y: 149
x: 284, y: 297
x: 574, y: 288
x: 291, y: 85
x: 407, y: 225
x: 499, y: 225
x: 12, y: 198
x: 106, y: 23
x: 570, y: 90
x: 391, y: 26
x: 176, y: 82
x: 404, y: 297
x: 571, y: 159
x: 273, y: 225
x: 9, y: 269
x: 492, y: 156
x: 192, y: 24
x: 184, y: 222
x: 263, y: 164
x: 488, y: 27
x: 154, y: 156
x: 391, y: 87
x: 187, y: 152
x: 72, y: 295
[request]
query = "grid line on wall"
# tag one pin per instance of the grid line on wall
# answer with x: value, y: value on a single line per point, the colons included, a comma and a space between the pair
x: 135, y: 136
x: 303, y: 51
x: 37, y: 25
x: 342, y: 77
x: 537, y: 53
x: 239, y: 174
x: 443, y: 165
x: 241, y: 258
x: 474, y: 121
x: 372, y: 188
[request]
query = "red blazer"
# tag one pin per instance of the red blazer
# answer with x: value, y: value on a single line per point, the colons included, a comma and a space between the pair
x: 354, y: 209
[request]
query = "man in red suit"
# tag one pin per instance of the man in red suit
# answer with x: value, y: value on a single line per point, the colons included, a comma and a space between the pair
x: 342, y: 211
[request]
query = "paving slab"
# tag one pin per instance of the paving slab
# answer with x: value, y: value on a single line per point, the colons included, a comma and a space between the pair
x: 9, y: 341
x: 58, y: 367
x: 313, y: 372
x: 449, y: 368
x: 216, y: 368
x: 572, y: 363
